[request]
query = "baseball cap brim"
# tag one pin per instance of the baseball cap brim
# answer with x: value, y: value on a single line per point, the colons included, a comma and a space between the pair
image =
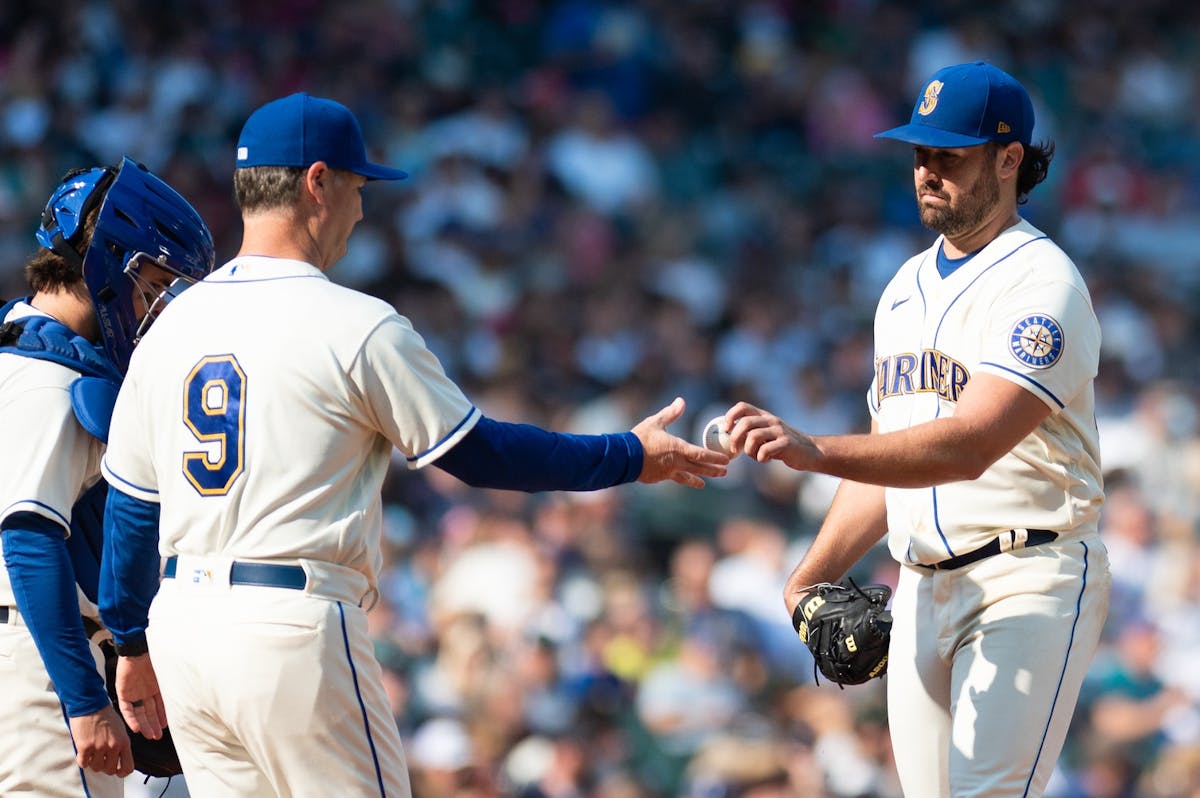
x: 926, y: 136
x: 373, y: 171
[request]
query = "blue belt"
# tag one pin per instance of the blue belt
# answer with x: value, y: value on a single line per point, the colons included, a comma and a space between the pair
x: 1035, y: 538
x: 264, y: 574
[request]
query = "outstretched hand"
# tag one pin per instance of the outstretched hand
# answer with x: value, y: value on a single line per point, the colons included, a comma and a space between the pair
x: 670, y: 457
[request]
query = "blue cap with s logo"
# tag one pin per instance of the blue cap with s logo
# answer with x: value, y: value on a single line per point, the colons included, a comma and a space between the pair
x: 966, y: 105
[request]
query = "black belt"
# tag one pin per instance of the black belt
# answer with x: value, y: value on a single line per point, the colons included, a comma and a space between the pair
x: 1035, y: 537
x: 5, y: 615
x: 264, y: 574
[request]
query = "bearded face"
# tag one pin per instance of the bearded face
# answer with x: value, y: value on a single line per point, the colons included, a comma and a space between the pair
x: 957, y: 191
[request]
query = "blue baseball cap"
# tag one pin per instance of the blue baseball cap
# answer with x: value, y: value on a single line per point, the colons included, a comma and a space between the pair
x: 966, y: 105
x: 299, y: 130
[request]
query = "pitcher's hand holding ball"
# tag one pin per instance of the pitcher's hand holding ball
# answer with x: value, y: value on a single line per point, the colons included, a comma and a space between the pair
x: 764, y: 436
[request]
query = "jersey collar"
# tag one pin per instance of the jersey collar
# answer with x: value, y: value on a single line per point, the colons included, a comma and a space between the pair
x: 250, y: 268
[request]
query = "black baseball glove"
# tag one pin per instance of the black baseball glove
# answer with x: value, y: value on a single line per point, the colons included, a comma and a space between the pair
x: 847, y: 629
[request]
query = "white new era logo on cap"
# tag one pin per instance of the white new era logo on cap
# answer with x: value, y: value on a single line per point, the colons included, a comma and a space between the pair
x: 243, y: 153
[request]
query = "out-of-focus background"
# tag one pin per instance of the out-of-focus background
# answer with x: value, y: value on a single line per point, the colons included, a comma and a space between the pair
x: 613, y: 203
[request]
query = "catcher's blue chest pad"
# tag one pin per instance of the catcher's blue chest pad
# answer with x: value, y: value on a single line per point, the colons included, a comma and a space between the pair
x: 94, y: 393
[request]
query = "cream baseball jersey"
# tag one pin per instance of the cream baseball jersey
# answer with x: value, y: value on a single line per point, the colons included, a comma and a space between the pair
x: 44, y: 473
x: 1020, y: 310
x: 236, y: 441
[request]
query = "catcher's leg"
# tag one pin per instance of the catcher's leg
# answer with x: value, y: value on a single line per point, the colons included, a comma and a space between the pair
x: 1020, y: 663
x: 918, y: 689
x: 37, y: 756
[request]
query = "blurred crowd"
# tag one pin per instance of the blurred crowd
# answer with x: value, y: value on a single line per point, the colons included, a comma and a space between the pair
x: 613, y: 203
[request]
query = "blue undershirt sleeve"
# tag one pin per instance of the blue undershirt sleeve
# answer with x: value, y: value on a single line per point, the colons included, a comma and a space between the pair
x: 129, y: 567
x: 497, y: 454
x: 43, y: 584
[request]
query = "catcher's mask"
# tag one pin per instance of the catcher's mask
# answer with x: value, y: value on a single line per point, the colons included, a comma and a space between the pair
x: 142, y: 221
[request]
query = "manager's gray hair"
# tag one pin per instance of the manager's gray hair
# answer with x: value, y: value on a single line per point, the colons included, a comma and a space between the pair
x: 266, y: 188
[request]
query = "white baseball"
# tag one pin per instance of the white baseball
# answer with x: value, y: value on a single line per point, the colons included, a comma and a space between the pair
x: 715, y: 438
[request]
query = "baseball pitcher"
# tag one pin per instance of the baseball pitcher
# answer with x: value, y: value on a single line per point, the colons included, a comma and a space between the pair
x: 982, y: 466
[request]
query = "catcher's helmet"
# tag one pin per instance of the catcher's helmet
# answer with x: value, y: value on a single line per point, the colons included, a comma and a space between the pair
x: 142, y: 221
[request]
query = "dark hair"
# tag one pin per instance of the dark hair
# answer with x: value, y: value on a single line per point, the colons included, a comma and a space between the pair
x: 1034, y: 168
x: 49, y: 271
x: 1035, y: 164
x: 265, y: 188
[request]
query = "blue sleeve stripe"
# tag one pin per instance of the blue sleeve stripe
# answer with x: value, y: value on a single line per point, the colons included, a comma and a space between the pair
x: 54, y: 515
x: 472, y: 415
x: 114, y: 477
x: 1041, y: 388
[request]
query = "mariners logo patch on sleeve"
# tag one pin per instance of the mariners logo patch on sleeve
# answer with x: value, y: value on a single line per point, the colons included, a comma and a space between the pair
x: 1036, y: 341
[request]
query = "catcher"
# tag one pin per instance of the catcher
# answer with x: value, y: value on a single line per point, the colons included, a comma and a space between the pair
x: 63, y: 354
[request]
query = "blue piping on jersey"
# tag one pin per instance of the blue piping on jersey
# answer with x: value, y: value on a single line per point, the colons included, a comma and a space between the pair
x: 938, y: 331
x: 361, y: 706
x: 1063, y: 672
x: 470, y: 414
x: 975, y: 279
x: 124, y: 481
x: 872, y: 402
x: 937, y: 524
x: 82, y: 775
x: 59, y: 516
x: 1028, y: 379
x: 937, y: 414
x: 218, y: 281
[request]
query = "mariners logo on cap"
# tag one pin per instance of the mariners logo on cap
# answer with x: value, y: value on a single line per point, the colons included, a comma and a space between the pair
x: 930, y: 100
x: 1037, y: 341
